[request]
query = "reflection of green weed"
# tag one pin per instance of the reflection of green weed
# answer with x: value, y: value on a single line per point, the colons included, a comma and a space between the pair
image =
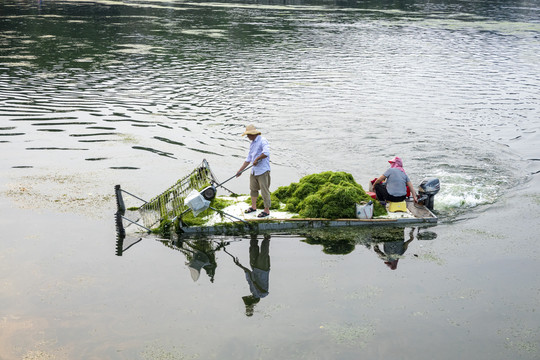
x: 344, y: 240
x: 342, y: 246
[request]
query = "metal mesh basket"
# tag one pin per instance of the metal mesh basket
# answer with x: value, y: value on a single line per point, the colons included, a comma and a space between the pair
x: 170, y: 203
x: 167, y: 205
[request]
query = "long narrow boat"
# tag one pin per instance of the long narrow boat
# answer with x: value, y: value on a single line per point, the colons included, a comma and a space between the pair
x: 415, y: 215
x: 193, y: 194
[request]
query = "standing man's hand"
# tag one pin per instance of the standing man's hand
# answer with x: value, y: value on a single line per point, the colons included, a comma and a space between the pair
x: 239, y: 172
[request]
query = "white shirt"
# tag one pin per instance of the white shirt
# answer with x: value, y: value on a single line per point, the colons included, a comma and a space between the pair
x: 259, y: 146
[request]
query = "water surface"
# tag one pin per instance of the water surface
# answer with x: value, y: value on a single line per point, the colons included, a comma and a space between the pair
x: 94, y: 94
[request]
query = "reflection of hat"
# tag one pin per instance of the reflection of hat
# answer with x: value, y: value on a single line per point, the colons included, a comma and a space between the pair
x: 251, y: 130
x: 392, y: 264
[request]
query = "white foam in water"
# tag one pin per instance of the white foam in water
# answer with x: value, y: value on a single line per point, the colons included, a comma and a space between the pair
x: 463, y: 200
x: 461, y: 191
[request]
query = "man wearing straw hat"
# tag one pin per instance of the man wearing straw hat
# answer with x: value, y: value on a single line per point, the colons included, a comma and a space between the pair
x: 259, y: 156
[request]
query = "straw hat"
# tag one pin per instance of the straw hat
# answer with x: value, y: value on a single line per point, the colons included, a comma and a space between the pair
x: 251, y: 130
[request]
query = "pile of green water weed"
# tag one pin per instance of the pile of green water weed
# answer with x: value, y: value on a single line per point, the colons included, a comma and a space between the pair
x: 330, y: 195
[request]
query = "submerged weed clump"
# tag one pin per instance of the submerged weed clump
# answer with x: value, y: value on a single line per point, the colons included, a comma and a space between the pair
x: 330, y: 195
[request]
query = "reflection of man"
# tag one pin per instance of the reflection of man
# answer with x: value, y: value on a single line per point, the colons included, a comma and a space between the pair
x: 393, y: 250
x: 258, y: 276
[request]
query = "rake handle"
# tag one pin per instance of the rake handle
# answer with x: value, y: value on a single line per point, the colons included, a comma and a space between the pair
x: 235, y: 175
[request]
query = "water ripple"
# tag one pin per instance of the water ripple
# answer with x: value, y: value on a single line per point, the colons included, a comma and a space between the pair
x: 331, y: 89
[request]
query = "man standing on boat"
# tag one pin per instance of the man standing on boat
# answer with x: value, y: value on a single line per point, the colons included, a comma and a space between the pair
x: 259, y: 156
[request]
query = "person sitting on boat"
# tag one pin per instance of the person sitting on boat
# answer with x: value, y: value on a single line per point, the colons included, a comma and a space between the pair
x: 259, y: 155
x: 392, y: 185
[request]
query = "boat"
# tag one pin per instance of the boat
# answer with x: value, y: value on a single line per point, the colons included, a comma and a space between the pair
x: 195, y: 193
x: 415, y: 215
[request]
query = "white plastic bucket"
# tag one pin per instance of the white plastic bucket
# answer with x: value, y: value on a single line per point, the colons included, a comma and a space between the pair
x: 364, y: 211
x: 196, y: 202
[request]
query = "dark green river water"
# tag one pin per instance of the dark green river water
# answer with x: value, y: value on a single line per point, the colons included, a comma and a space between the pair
x: 138, y: 93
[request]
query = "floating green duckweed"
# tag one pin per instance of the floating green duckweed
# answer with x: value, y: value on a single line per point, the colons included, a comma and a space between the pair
x: 330, y: 195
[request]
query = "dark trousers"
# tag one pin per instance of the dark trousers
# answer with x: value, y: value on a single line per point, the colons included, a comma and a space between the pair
x: 260, y: 257
x: 383, y: 195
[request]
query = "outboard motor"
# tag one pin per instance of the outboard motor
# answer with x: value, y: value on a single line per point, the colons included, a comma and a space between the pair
x: 427, y: 190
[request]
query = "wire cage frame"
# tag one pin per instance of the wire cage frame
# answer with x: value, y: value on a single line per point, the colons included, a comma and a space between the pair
x: 167, y: 205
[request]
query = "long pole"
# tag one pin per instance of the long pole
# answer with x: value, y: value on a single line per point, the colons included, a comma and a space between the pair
x: 232, y: 177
